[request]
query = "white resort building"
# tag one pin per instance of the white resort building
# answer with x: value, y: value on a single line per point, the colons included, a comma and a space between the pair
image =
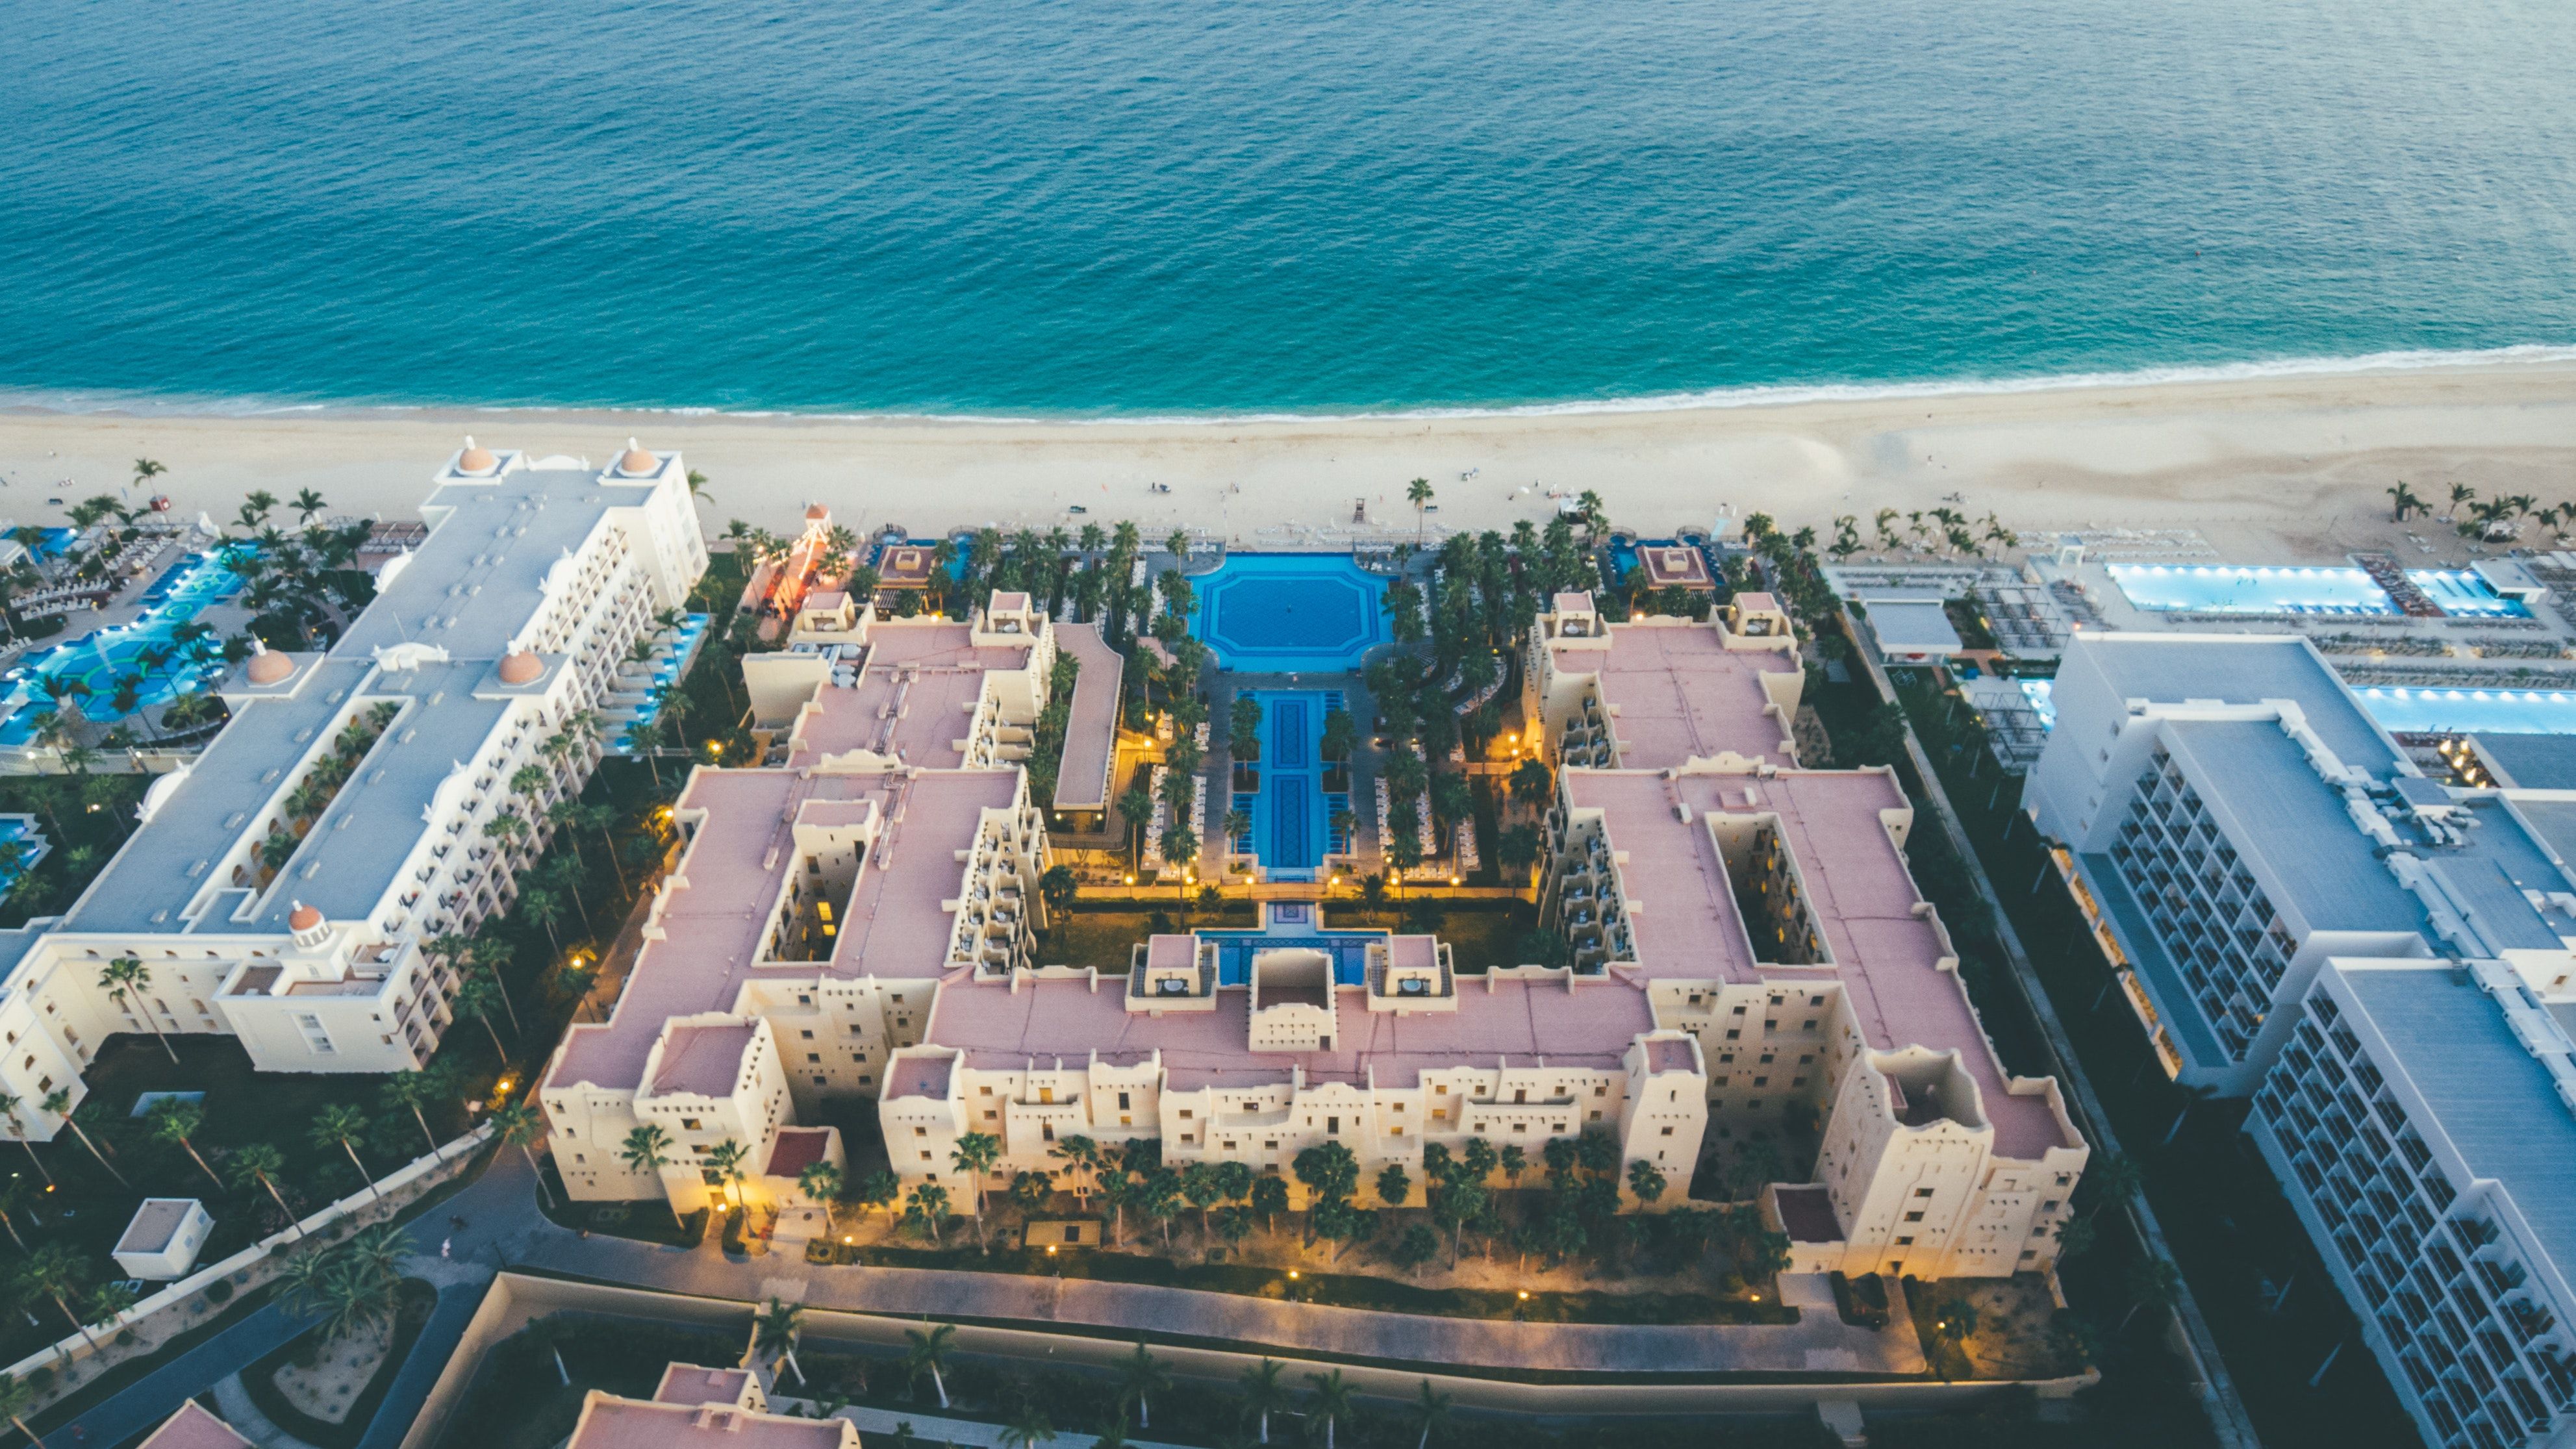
x: 2382, y: 961
x: 280, y: 889
x: 855, y: 919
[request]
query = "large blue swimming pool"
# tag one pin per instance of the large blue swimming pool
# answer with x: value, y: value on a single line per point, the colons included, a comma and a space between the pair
x: 1290, y: 613
x: 134, y: 651
x: 2229, y: 589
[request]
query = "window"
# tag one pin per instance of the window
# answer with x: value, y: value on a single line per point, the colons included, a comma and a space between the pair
x: 1185, y: 1112
x: 814, y: 1057
x: 920, y: 1131
x: 1122, y: 1100
x: 925, y: 1157
x: 1596, y: 1116
x: 809, y: 1036
x: 688, y: 1124
x: 1732, y: 1034
x: 1922, y: 1192
x: 1902, y: 1243
x: 1520, y: 1126
x: 1668, y: 1132
x: 991, y: 1116
x: 1914, y: 1217
x: 1332, y: 1124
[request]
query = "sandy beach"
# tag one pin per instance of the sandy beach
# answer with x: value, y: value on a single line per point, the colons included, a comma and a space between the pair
x: 2289, y: 467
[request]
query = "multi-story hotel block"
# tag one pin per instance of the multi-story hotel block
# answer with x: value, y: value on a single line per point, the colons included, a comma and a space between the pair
x: 280, y: 889
x: 2420, y: 1119
x: 856, y: 920
x: 2229, y: 818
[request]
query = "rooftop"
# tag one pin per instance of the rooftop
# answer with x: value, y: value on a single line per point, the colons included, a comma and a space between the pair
x: 2494, y: 1100
x: 1679, y: 692
x: 155, y: 1224
x: 193, y: 1427
x: 2241, y: 669
x: 1861, y: 893
x: 613, y: 1423
x: 688, y: 1383
x: 1586, y: 1024
x: 1091, y: 730
x: 797, y: 1149
x: 703, y: 1061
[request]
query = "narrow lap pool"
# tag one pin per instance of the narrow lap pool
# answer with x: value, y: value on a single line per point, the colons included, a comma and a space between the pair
x: 2219, y: 589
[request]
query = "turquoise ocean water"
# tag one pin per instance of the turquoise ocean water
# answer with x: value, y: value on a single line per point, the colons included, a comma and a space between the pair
x: 1107, y: 208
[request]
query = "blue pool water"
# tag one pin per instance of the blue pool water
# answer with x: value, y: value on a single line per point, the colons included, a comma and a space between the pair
x: 100, y: 658
x: 21, y: 828
x: 2223, y: 589
x: 684, y: 649
x: 1120, y: 206
x: 2469, y: 711
x: 1290, y: 925
x: 1291, y: 813
x: 1290, y: 613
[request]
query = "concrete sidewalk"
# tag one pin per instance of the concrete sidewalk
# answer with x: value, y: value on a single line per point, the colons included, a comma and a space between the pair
x: 1820, y: 1342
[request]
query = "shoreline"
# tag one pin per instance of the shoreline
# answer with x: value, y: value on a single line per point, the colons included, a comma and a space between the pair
x: 2285, y: 465
x: 42, y: 402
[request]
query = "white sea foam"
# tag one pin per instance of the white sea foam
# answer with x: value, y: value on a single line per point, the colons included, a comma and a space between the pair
x: 1765, y: 395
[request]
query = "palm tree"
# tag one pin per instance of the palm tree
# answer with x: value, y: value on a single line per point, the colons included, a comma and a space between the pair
x: 927, y: 1353
x: 822, y: 1181
x: 974, y: 1155
x: 727, y: 1159
x: 10, y: 1103
x: 13, y: 1200
x: 1332, y: 1402
x: 2153, y: 1283
x: 339, y: 1125
x: 177, y: 1121
x: 54, y: 1271
x: 475, y: 997
x: 2404, y: 502
x: 1141, y: 1375
x: 60, y: 1105
x: 1429, y: 1413
x: 519, y: 1125
x: 411, y: 1091
x: 258, y: 1165
x: 775, y: 1332
x: 929, y: 1204
x: 1263, y: 1394
x: 1113, y: 1435
x: 128, y: 976
x: 2461, y: 493
x: 17, y: 1400
x: 2115, y: 1178
x: 643, y: 1148
x: 1027, y: 1427
x: 1419, y: 494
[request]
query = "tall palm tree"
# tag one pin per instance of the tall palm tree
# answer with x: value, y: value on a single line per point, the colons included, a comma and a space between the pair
x: 775, y: 1331
x: 519, y: 1125
x: 17, y: 1401
x: 822, y: 1181
x: 413, y: 1090
x: 1419, y: 494
x: 59, y: 1103
x: 1140, y: 1376
x: 175, y: 1121
x: 727, y: 1158
x: 2404, y: 502
x: 1263, y: 1394
x: 340, y: 1125
x: 127, y: 977
x: 1429, y: 1413
x: 13, y: 1200
x: 258, y: 1165
x: 56, y: 1272
x: 1332, y: 1402
x: 10, y: 1105
x: 974, y: 1156
x: 1027, y: 1427
x: 927, y: 1353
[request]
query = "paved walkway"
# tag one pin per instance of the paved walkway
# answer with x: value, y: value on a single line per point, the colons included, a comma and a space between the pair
x: 157, y: 1395
x: 234, y: 1403
x: 1819, y: 1342
x: 503, y: 1230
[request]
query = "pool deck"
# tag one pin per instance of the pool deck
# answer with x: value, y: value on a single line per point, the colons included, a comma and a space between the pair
x: 1276, y: 613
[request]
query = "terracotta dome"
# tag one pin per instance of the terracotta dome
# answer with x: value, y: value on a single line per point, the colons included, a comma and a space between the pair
x: 521, y: 667
x: 817, y: 513
x: 474, y: 460
x: 268, y: 667
x: 303, y: 918
x: 635, y: 462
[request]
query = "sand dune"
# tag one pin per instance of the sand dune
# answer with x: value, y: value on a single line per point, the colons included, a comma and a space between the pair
x: 2278, y: 467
